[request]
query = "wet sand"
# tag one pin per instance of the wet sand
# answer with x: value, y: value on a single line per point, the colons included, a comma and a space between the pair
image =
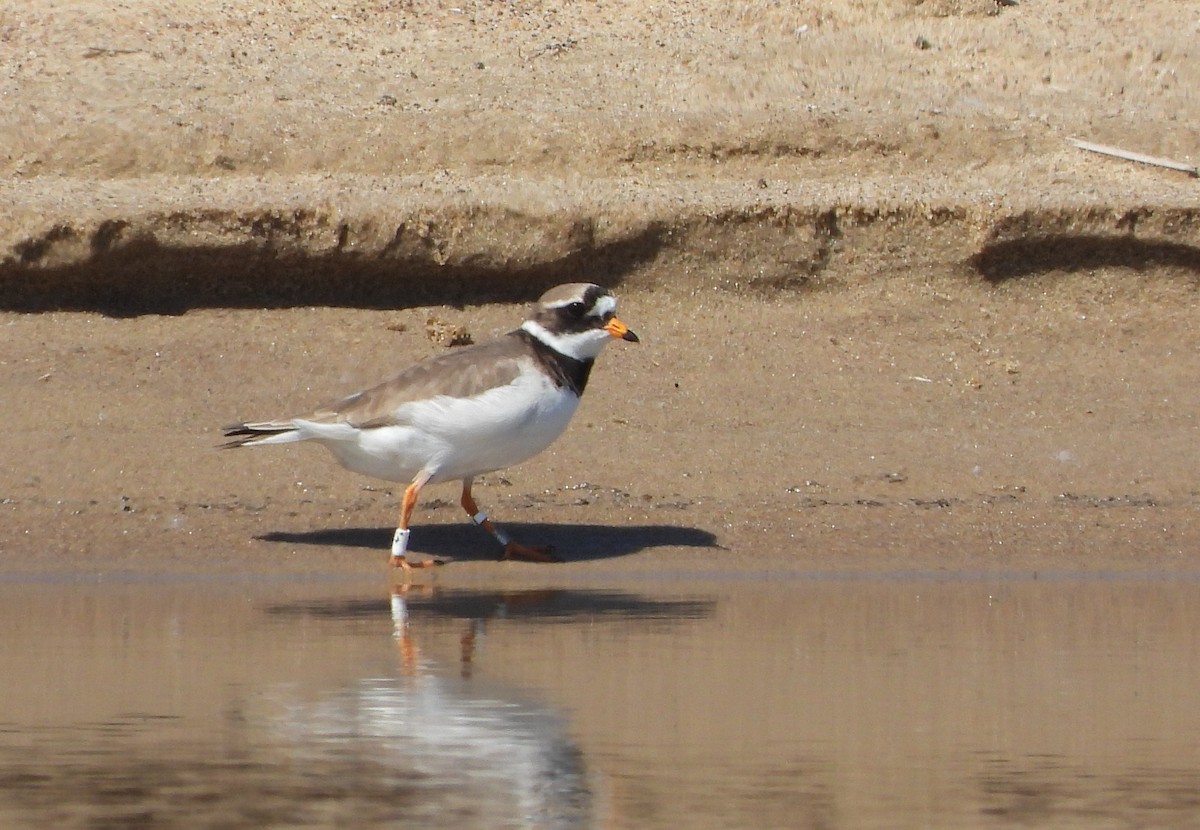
x: 985, y: 429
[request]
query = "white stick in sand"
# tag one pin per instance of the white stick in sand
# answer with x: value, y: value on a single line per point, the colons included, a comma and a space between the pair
x: 1129, y: 155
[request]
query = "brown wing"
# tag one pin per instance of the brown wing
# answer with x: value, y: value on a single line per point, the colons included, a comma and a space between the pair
x: 463, y: 372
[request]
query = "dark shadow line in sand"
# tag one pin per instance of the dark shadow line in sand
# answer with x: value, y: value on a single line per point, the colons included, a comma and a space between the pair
x: 572, y: 542
x: 138, y: 277
x: 1017, y: 258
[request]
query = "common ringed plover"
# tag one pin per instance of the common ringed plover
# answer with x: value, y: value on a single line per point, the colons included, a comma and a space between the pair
x: 470, y: 411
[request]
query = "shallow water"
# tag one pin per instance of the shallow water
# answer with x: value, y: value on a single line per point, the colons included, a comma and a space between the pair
x: 897, y: 701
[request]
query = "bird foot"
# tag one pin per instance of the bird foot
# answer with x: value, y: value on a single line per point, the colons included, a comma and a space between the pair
x: 529, y: 553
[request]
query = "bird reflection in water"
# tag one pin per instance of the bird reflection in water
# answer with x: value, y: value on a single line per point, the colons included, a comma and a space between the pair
x: 475, y: 620
x: 464, y: 748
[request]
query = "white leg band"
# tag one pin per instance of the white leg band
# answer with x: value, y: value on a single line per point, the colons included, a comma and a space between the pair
x: 481, y: 517
x: 400, y: 543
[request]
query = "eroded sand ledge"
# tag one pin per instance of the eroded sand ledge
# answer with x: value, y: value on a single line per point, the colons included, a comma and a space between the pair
x: 163, y: 157
x: 167, y: 245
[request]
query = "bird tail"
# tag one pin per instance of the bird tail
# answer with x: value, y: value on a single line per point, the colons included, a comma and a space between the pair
x: 268, y: 432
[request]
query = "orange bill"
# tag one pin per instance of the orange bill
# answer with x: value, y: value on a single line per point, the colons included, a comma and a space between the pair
x: 618, y: 329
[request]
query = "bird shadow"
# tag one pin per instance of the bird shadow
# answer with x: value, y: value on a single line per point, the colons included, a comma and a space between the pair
x: 572, y: 542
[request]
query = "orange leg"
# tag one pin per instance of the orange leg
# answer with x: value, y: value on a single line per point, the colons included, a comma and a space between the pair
x: 400, y: 539
x: 512, y: 550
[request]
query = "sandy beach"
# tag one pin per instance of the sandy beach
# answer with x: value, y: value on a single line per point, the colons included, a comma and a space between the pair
x: 891, y: 318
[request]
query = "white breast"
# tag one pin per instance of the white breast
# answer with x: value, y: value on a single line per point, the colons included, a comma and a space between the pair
x: 454, y: 438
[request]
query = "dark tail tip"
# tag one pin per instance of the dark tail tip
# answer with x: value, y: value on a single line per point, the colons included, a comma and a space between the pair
x: 242, y: 434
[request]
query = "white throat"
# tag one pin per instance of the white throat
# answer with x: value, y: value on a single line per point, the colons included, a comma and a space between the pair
x: 581, y: 345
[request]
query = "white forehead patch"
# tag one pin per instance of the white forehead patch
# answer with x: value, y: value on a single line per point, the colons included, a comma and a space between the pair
x: 604, y: 306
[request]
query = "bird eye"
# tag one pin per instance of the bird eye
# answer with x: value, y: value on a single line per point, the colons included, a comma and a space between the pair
x: 577, y: 309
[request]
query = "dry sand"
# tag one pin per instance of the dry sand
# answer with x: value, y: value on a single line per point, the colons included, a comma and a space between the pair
x: 891, y: 319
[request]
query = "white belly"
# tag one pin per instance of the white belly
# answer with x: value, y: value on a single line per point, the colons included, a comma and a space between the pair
x: 455, y: 438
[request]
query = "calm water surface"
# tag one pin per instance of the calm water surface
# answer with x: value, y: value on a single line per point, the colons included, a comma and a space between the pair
x: 892, y: 702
